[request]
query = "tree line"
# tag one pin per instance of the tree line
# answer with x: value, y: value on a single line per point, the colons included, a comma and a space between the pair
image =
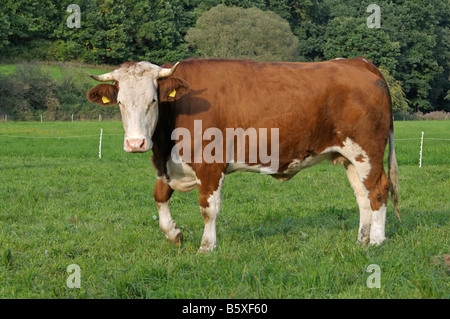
x: 411, y: 44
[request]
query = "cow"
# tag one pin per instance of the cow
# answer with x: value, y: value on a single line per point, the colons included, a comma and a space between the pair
x: 338, y: 110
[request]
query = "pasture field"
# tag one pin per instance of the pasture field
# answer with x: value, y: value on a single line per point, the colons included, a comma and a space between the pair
x: 55, y: 70
x: 61, y: 205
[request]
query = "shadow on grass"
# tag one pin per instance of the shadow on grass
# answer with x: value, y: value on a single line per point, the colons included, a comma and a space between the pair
x: 291, y: 225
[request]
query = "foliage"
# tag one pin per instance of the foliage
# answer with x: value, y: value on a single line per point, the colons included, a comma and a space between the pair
x: 236, y: 33
x: 351, y: 38
x: 31, y: 92
x: 27, y: 91
x: 413, y: 42
x: 398, y: 96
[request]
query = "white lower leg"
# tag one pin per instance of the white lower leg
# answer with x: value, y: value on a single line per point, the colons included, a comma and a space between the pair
x: 209, y: 234
x: 210, y: 214
x: 364, y: 224
x: 167, y: 225
x: 363, y: 203
x: 377, y: 234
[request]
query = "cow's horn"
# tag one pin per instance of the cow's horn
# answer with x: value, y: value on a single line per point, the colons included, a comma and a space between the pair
x: 165, y: 72
x: 103, y: 77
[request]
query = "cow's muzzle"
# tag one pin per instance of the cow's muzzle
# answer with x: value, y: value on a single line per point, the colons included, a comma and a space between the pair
x: 137, y: 145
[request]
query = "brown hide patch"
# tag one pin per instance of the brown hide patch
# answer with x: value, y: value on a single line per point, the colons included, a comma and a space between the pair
x: 359, y: 158
x: 101, y: 92
x: 162, y: 192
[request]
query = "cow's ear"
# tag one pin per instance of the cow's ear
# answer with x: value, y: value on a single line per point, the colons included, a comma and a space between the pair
x: 171, y: 89
x: 104, y: 94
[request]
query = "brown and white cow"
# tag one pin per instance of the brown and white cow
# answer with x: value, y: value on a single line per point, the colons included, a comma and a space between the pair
x: 338, y: 110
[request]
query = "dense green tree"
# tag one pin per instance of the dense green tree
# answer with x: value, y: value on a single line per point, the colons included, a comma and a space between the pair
x: 232, y: 32
x: 4, y: 30
x: 398, y: 96
x: 351, y: 38
x: 29, y: 19
x: 159, y: 30
x: 413, y: 24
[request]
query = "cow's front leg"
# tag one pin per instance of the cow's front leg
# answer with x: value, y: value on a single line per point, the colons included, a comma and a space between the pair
x: 170, y: 229
x: 210, y: 202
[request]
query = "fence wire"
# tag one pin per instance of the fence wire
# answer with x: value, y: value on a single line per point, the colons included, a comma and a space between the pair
x: 96, y: 135
x: 55, y: 137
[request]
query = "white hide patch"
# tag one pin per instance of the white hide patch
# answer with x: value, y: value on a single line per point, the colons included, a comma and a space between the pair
x: 209, y: 233
x: 243, y: 167
x: 351, y: 151
x: 296, y: 165
x: 215, y: 200
x: 166, y: 222
x: 363, y: 203
x: 181, y: 176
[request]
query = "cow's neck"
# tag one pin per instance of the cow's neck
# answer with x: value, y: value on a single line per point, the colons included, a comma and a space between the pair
x: 161, y: 138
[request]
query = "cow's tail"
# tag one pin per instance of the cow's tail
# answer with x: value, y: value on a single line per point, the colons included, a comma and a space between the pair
x: 393, y: 171
x: 392, y: 160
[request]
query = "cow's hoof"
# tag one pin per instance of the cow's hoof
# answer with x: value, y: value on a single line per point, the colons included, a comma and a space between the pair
x: 178, y: 239
x: 363, y: 241
x: 377, y: 241
x: 204, y: 249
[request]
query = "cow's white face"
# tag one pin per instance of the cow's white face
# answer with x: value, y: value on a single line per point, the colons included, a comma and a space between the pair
x: 136, y: 93
x: 138, y: 102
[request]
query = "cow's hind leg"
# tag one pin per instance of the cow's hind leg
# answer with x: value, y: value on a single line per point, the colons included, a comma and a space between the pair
x: 170, y: 229
x: 365, y: 214
x: 210, y: 198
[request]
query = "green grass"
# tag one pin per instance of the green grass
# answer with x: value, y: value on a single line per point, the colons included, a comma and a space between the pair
x: 60, y: 205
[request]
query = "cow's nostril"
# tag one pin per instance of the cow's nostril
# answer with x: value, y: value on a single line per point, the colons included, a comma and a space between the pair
x: 136, y: 145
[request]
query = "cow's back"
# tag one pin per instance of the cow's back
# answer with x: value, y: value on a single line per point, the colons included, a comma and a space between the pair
x: 244, y: 93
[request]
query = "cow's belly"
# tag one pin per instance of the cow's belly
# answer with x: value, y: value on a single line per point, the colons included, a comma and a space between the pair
x: 181, y: 176
x: 294, y: 167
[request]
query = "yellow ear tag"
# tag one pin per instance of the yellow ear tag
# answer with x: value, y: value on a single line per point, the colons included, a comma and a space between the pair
x: 172, y: 94
x: 105, y: 100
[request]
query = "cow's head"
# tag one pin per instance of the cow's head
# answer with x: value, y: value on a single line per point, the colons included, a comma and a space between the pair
x: 138, y: 89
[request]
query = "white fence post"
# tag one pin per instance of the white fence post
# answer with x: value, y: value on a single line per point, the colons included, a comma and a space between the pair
x: 421, y: 146
x: 100, y: 145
